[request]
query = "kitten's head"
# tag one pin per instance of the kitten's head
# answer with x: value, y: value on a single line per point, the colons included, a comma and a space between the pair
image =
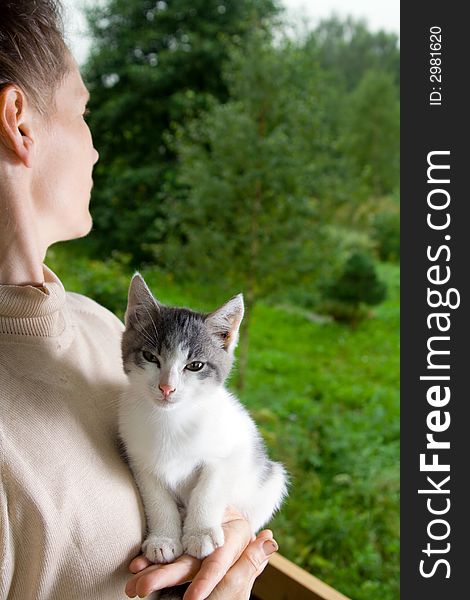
x: 176, y: 355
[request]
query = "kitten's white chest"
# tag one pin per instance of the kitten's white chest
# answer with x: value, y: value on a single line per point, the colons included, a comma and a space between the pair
x: 174, y: 461
x: 170, y: 447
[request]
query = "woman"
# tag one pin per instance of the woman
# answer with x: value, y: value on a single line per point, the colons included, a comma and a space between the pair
x: 71, y: 519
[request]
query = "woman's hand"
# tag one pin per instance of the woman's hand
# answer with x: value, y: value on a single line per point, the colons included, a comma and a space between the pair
x: 227, y: 574
x: 239, y: 579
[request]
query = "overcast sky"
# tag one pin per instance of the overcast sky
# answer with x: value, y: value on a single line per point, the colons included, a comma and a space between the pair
x: 380, y: 14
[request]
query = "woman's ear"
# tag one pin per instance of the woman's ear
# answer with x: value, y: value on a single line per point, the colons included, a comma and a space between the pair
x: 15, y: 127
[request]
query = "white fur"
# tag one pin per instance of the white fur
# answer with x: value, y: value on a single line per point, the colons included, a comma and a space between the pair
x: 192, y: 457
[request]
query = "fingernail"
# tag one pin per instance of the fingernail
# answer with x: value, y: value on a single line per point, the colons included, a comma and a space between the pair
x: 269, y: 547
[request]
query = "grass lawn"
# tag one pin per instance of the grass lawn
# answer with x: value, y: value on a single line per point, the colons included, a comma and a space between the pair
x: 325, y: 397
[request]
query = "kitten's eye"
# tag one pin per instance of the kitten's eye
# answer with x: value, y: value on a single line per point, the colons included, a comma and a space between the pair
x: 150, y: 357
x: 195, y: 366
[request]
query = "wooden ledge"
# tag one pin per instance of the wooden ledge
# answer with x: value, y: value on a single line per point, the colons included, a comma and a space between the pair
x: 283, y: 580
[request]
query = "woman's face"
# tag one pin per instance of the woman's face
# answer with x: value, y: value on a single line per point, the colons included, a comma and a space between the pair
x: 63, y: 163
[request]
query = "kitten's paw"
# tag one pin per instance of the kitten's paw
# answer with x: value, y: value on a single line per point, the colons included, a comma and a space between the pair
x: 160, y: 549
x: 201, y: 543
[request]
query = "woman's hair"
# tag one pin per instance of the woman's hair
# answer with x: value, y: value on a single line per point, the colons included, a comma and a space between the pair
x: 33, y: 53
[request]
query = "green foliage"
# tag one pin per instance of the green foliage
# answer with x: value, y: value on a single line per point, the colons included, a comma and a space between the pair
x: 146, y: 56
x: 107, y: 282
x: 386, y: 235
x: 253, y: 170
x: 346, y: 48
x: 326, y: 398
x: 371, y: 134
x: 154, y: 66
x: 356, y: 285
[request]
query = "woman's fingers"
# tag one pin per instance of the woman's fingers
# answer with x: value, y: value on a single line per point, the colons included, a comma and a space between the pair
x: 214, y: 567
x: 239, y: 580
x: 139, y: 563
x: 157, y: 577
x: 237, y: 561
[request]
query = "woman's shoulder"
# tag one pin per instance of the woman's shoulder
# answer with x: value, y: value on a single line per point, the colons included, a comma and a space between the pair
x: 89, y: 309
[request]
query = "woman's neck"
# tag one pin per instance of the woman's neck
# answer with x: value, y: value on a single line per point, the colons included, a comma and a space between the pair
x: 20, y: 265
x: 22, y: 249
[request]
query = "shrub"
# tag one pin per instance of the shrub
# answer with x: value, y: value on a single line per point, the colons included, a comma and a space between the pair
x: 356, y: 286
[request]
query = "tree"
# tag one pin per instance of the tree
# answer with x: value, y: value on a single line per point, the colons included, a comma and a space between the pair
x: 361, y: 67
x: 146, y: 58
x: 347, y: 48
x: 251, y: 220
x: 371, y: 133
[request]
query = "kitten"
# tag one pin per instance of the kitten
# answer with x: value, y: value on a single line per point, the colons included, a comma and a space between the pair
x: 192, y: 446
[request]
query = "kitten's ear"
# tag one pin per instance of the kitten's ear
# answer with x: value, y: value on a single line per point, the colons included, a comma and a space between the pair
x: 139, y: 296
x: 224, y: 322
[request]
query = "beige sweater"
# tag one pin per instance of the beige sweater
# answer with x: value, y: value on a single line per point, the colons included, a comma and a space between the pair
x: 71, y: 518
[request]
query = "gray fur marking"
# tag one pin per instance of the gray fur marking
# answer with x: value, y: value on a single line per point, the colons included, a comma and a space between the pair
x: 162, y: 330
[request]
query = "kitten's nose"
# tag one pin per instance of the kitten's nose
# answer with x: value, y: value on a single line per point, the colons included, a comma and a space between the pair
x: 166, y: 390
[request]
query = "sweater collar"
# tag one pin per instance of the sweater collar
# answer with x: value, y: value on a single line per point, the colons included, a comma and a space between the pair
x: 27, y: 310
